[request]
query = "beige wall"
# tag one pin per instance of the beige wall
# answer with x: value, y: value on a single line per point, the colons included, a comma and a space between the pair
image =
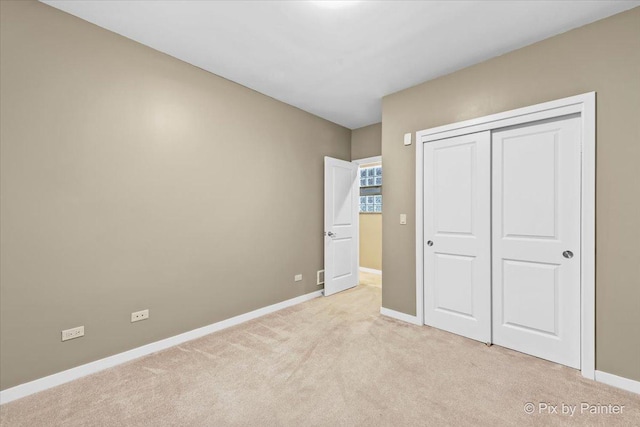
x: 603, y: 57
x: 371, y: 240
x: 124, y: 186
x: 366, y: 142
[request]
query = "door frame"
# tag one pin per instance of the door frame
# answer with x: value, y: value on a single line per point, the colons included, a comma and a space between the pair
x: 360, y: 162
x: 367, y: 160
x: 585, y: 105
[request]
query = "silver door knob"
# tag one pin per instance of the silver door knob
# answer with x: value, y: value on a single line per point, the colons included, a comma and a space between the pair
x: 330, y: 234
x: 567, y: 254
x: 429, y: 243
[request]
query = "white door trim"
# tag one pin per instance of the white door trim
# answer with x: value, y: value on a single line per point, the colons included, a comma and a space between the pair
x: 584, y: 104
x: 367, y: 160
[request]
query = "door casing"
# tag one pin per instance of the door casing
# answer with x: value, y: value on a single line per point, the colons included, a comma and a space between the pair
x: 585, y: 105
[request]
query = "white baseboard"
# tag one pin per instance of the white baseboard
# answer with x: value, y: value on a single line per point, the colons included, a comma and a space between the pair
x: 400, y: 316
x: 50, y: 381
x: 619, y: 382
x: 370, y: 270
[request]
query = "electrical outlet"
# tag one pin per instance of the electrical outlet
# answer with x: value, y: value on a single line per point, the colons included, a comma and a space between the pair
x: 320, y: 277
x: 297, y: 277
x: 69, y: 334
x: 139, y: 315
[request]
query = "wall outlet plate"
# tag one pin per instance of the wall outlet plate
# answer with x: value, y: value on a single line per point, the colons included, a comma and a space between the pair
x: 69, y: 334
x: 139, y: 315
x: 297, y: 277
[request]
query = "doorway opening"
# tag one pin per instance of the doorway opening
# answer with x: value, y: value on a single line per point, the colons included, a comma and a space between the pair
x: 370, y: 181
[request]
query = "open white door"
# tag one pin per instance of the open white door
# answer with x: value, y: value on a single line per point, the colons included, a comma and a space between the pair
x: 340, y: 225
x: 457, y: 254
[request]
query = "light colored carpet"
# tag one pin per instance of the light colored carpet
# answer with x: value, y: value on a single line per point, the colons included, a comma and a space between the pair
x: 370, y: 279
x: 329, y: 362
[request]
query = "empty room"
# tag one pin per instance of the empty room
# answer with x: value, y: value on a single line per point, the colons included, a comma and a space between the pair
x: 323, y: 213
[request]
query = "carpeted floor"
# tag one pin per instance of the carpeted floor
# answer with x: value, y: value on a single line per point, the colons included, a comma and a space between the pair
x: 371, y: 279
x: 328, y: 362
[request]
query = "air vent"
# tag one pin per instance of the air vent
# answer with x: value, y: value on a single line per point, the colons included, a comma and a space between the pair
x: 320, y: 277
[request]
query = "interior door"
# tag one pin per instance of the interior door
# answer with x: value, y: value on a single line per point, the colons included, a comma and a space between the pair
x: 536, y: 239
x: 341, y: 196
x: 457, y: 264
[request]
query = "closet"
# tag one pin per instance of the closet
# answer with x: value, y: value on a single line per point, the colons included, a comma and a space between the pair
x: 502, y: 236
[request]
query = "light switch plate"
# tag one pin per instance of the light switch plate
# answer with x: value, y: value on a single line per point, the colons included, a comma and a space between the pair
x: 407, y: 139
x: 403, y: 219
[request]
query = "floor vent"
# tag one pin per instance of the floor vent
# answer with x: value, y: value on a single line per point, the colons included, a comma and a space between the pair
x: 320, y: 277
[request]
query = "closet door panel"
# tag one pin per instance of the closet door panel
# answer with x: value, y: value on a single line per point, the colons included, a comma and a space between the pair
x: 457, y: 235
x: 536, y: 239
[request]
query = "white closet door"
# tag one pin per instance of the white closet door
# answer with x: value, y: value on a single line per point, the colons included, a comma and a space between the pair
x: 536, y: 239
x: 457, y: 263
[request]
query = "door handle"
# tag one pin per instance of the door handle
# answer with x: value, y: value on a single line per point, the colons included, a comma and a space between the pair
x: 429, y: 243
x: 567, y: 254
x: 331, y: 234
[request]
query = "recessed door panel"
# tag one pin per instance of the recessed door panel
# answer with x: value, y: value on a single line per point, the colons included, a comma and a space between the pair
x: 343, y: 195
x: 342, y: 257
x: 530, y: 296
x: 529, y: 193
x: 454, y: 193
x: 457, y: 261
x: 536, y: 239
x: 454, y: 284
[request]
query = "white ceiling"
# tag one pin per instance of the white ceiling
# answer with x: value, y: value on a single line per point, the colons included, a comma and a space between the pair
x: 337, y: 59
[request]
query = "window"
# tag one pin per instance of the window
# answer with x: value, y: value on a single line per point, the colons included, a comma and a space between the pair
x: 371, y: 189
